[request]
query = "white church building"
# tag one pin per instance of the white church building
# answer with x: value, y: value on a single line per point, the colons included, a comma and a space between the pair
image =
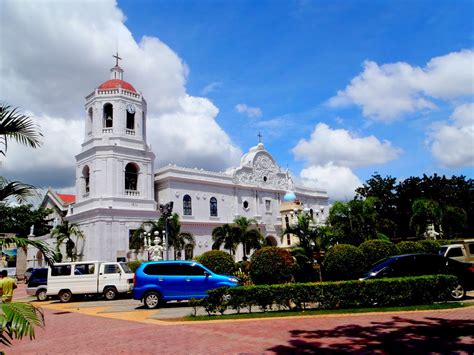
x: 117, y: 187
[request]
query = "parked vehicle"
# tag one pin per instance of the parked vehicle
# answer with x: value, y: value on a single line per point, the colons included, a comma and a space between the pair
x: 160, y: 281
x: 28, y: 273
x: 89, y: 278
x: 37, y: 284
x: 425, y: 264
x: 463, y: 251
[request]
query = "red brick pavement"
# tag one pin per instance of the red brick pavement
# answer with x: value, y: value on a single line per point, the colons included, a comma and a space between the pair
x: 399, y: 333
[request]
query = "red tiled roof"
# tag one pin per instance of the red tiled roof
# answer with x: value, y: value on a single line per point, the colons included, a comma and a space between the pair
x: 67, y: 198
x: 116, y: 83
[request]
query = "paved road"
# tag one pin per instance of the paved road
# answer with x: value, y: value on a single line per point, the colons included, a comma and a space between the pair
x: 123, y: 327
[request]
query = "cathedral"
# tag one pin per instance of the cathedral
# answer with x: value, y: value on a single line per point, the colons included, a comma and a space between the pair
x: 117, y: 187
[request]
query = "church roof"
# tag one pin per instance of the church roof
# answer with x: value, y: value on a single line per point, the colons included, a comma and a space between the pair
x: 117, y: 83
x: 67, y: 198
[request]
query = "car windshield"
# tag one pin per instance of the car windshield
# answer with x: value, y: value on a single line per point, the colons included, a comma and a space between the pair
x: 442, y: 250
x: 126, y: 268
x: 381, y: 265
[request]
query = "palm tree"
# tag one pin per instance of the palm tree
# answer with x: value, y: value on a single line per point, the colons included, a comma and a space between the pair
x: 18, y: 319
x: 177, y: 239
x: 310, y: 238
x: 250, y: 238
x: 64, y: 233
x: 227, y: 235
x: 21, y: 128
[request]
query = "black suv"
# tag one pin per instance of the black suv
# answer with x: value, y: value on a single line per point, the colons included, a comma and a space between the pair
x: 425, y: 264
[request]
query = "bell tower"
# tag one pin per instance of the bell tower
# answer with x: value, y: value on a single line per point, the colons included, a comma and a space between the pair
x: 114, y: 170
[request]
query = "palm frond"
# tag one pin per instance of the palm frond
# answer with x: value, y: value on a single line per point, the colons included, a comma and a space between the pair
x: 18, y: 320
x: 15, y: 189
x: 38, y: 244
x: 18, y: 127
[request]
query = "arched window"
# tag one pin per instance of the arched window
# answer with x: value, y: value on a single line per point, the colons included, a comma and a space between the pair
x: 130, y: 120
x: 187, y: 207
x: 213, y: 206
x: 131, y: 176
x: 89, y: 113
x: 86, y: 177
x: 188, y: 252
x: 108, y: 115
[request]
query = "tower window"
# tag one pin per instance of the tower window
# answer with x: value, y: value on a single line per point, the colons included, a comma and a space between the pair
x: 130, y: 120
x: 187, y: 206
x: 131, y: 176
x: 89, y: 112
x: 213, y: 206
x: 86, y: 177
x: 108, y: 115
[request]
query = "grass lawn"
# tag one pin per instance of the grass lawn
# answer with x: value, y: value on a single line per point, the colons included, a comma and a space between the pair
x: 315, y: 312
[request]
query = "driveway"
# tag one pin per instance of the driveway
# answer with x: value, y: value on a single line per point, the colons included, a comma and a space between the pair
x: 124, y: 327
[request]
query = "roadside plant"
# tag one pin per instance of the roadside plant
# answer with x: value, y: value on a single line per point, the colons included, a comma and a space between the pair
x: 343, y: 262
x: 271, y: 265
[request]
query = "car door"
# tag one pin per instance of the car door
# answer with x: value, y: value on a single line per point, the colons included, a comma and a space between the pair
x: 168, y: 277
x: 110, y: 274
x: 197, y: 279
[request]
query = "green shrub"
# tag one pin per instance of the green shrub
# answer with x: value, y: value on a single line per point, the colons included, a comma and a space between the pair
x: 430, y: 246
x: 410, y: 247
x: 134, y: 264
x: 448, y: 241
x: 271, y: 265
x: 304, y: 270
x: 376, y: 250
x: 343, y: 262
x: 218, y: 261
x: 333, y: 295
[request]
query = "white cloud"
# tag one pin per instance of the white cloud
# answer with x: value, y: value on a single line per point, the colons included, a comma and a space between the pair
x: 248, y: 111
x: 387, y: 92
x: 452, y: 144
x: 60, y: 51
x: 342, y: 148
x: 339, y: 181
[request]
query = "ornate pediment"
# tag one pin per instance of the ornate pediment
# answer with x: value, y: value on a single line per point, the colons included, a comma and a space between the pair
x: 262, y: 172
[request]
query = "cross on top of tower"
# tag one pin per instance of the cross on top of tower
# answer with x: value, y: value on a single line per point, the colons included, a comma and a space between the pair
x: 259, y: 137
x: 117, y: 58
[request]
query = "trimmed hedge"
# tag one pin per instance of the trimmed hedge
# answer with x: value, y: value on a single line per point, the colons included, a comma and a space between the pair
x: 271, y: 265
x: 218, y: 261
x: 410, y: 247
x: 430, y: 246
x: 343, y: 262
x: 376, y: 250
x: 332, y: 295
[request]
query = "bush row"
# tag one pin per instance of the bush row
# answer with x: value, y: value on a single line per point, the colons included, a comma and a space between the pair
x: 330, y: 295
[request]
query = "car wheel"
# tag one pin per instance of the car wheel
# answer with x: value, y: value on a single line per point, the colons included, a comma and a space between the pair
x: 458, y: 293
x: 152, y: 300
x: 41, y: 295
x: 65, y: 296
x: 110, y: 293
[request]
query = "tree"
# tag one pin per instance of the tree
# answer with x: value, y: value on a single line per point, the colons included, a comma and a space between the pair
x: 424, y: 212
x: 250, y: 238
x: 18, y: 127
x: 454, y: 222
x: 19, y: 219
x: 226, y: 235
x: 310, y: 238
x: 176, y: 239
x: 64, y: 233
x: 16, y: 319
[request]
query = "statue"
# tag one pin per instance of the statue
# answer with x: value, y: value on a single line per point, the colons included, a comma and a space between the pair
x: 155, y: 251
x: 430, y: 232
x: 289, y: 181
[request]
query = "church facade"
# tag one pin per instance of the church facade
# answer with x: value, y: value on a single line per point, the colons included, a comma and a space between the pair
x: 117, y: 188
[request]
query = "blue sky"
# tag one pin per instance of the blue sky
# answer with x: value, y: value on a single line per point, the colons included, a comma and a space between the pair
x: 338, y: 89
x: 289, y: 57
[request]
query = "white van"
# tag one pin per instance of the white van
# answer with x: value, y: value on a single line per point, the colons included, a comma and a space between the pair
x: 463, y: 251
x: 89, y: 278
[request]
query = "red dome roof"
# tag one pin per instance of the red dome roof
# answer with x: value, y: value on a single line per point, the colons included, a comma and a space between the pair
x: 116, y: 83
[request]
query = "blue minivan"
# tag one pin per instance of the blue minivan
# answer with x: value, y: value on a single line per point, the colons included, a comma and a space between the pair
x: 158, y: 281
